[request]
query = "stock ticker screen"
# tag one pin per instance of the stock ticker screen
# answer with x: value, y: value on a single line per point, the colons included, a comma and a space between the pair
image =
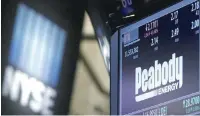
x: 159, y: 63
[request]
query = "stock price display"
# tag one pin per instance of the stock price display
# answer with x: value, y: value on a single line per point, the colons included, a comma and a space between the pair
x: 159, y: 67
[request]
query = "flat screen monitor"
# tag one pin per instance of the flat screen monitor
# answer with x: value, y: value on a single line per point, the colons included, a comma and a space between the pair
x: 155, y: 63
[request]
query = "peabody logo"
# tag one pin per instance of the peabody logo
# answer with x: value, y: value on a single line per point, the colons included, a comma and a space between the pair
x: 159, y: 79
x: 34, y: 61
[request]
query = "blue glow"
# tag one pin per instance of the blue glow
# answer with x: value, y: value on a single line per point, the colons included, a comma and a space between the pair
x: 37, y: 46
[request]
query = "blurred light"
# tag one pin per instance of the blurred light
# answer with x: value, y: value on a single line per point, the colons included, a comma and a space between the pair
x: 129, y: 16
x: 105, y: 49
x: 119, y: 26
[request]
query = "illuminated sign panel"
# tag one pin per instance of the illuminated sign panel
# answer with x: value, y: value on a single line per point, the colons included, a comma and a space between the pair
x: 159, y: 63
x: 127, y: 7
x: 35, y: 58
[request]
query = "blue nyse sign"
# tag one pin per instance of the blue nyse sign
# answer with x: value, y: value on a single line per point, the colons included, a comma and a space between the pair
x: 35, y: 59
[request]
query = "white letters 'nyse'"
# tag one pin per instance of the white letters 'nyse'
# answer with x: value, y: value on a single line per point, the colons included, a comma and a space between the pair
x: 35, y: 60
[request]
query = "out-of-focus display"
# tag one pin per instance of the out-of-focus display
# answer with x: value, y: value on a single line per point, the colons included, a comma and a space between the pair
x: 35, y: 56
x: 159, y: 63
x: 127, y: 7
